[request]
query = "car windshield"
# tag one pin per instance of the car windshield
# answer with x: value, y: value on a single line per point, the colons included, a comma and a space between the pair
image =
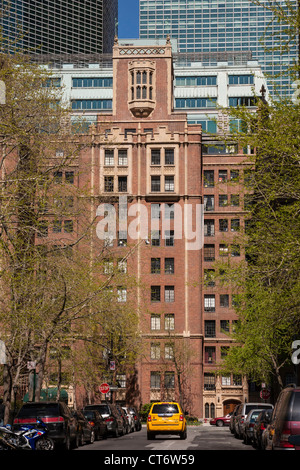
x: 89, y: 414
x: 165, y: 408
x: 254, y: 407
x: 103, y: 409
x: 254, y: 415
x: 39, y: 410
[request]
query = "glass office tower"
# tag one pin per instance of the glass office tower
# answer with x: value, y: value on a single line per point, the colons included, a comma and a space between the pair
x: 60, y: 26
x: 206, y: 26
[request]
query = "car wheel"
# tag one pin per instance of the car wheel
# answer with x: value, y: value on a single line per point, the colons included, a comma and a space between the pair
x: 44, y: 444
x: 150, y: 436
x: 183, y: 434
x: 92, y: 438
x: 219, y: 423
x: 117, y: 432
x: 81, y: 440
x: 68, y: 442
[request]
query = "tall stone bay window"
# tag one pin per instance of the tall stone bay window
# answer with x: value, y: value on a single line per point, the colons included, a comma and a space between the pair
x: 142, y: 90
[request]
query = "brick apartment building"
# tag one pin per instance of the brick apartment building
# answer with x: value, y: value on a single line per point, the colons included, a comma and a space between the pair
x: 154, y: 145
x: 153, y: 159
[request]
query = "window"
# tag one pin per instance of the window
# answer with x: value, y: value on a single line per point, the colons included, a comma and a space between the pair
x: 58, y: 176
x: 210, y: 328
x: 169, y: 294
x: 209, y: 381
x: 224, y: 351
x: 169, y: 321
x: 169, y: 211
x: 209, y: 228
x: 223, y: 200
x: 154, y: 379
x: 169, y: 183
x: 209, y: 252
x: 122, y: 294
x: 122, y: 184
x: 155, y: 238
x: 226, y: 380
x: 209, y: 203
x: 109, y: 157
x: 234, y: 175
x: 155, y: 351
x: 241, y: 79
x: 170, y: 380
x: 42, y: 228
x: 223, y: 225
x: 234, y: 200
x: 155, y: 156
x: 210, y: 355
x: 169, y: 266
x: 69, y: 176
x: 169, y: 237
x: 155, y: 211
x: 57, y: 226
x: 155, y: 321
x: 169, y: 351
x: 155, y: 183
x: 247, y: 101
x: 181, y: 103
x: 169, y: 156
x: 223, y: 249
x: 209, y: 303
x: 222, y: 176
x: 224, y: 300
x: 224, y: 326
x: 155, y: 293
x: 235, y: 250
x: 121, y: 380
x: 209, y: 277
x: 122, y: 238
x: 122, y: 157
x: 208, y: 178
x: 235, y: 225
x: 108, y: 266
x: 122, y: 266
x: 68, y: 226
x: 155, y: 265
x: 109, y: 184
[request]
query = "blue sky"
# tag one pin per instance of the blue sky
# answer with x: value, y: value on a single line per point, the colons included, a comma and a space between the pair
x: 128, y: 19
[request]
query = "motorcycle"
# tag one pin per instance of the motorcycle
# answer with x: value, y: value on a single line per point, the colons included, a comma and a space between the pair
x: 28, y: 437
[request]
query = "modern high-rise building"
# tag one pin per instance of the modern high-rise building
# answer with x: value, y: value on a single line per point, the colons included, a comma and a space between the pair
x: 211, y: 26
x: 60, y: 27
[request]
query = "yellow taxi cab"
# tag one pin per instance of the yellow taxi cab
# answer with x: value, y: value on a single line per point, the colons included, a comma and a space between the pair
x: 166, y: 418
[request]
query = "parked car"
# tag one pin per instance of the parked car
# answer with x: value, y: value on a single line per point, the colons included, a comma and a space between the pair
x: 111, y: 417
x: 97, y: 423
x: 260, y: 426
x: 84, y: 429
x: 233, y: 418
x: 249, y: 424
x: 166, y: 418
x: 124, y: 418
x: 58, y: 418
x: 221, y: 420
x: 137, y: 419
x: 130, y: 418
x: 285, y: 421
x: 241, y: 415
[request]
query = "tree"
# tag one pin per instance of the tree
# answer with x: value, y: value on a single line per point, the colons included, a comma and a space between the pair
x: 268, y: 282
x: 53, y: 293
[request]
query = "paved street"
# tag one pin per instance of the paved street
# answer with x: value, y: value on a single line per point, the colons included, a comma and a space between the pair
x: 204, y: 437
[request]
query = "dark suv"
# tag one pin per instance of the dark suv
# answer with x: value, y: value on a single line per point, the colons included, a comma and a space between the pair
x: 113, y: 419
x: 285, y: 420
x: 62, y: 425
